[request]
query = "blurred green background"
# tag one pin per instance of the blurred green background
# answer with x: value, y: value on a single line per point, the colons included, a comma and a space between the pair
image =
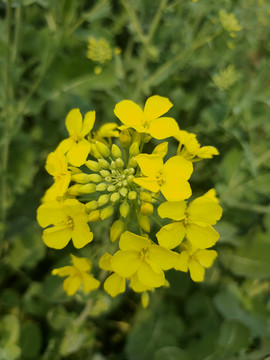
x: 211, y: 59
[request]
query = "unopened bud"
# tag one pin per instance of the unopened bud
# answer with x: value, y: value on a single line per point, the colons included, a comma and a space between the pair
x: 124, y: 209
x: 134, y: 149
x: 123, y: 191
x: 115, y: 197
x: 125, y: 138
x: 103, y: 163
x: 132, y: 195
x: 94, y: 151
x: 103, y: 149
x: 101, y: 187
x: 88, y: 188
x: 116, y: 230
x: 119, y: 162
x: 147, y: 209
x: 111, y: 188
x: 103, y: 199
x: 105, y: 173
x: 113, y: 165
x: 95, y: 178
x: 143, y: 222
x: 80, y: 178
x: 146, y: 138
x: 145, y: 196
x: 116, y: 152
x: 106, y: 212
x: 91, y: 205
x: 74, y: 190
x: 93, y: 165
x: 145, y: 299
x: 94, y: 216
x: 133, y: 162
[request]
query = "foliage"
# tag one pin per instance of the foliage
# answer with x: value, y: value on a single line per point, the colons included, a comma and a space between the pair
x: 177, y: 49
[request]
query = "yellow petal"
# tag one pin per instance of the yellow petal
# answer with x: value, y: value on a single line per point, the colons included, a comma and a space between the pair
x: 156, y: 106
x: 50, y: 213
x: 207, y: 152
x: 181, y: 263
x: 136, y: 285
x: 89, y: 282
x: 65, y: 145
x: 115, y: 285
x: 88, y: 123
x: 125, y: 263
x: 82, y: 264
x: 150, y: 278
x: 163, y: 127
x: 172, y: 209
x: 77, y: 155
x: 81, y: 235
x: 133, y: 242
x: 201, y: 237
x: 72, y: 284
x: 161, y: 256
x: 129, y: 113
x: 57, y: 237
x: 206, y: 257
x: 161, y: 149
x: 176, y: 189
x: 148, y: 183
x: 74, y: 122
x: 150, y: 165
x: 196, y: 270
x: 171, y: 235
x: 64, y: 271
x: 56, y: 163
x: 177, y: 167
x: 204, y: 209
x: 73, y: 208
x: 105, y: 262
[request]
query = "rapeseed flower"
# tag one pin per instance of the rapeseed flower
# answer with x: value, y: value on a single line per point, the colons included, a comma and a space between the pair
x: 63, y: 221
x: 150, y: 119
x: 193, y: 222
x: 169, y: 178
x: 229, y: 22
x: 78, y: 274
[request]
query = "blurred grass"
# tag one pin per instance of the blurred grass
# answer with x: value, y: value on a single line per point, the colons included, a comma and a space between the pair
x: 175, y: 49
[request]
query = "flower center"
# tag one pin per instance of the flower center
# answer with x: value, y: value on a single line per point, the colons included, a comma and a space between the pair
x: 144, y: 254
x: 69, y: 222
x: 160, y: 178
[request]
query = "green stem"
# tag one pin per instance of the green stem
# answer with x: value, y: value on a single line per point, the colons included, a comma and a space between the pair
x: 18, y: 21
x: 133, y: 17
x: 156, y: 221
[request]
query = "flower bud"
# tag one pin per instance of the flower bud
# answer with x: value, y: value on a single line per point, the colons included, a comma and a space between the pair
x: 125, y: 138
x: 132, y: 195
x: 93, y: 165
x: 147, y: 208
x: 80, y: 178
x: 94, y: 216
x: 116, y: 230
x: 103, y: 163
x: 105, y: 173
x: 145, y: 196
x: 74, y: 190
x: 115, y: 197
x: 101, y: 187
x: 96, y: 178
x: 103, y: 199
x: 124, y: 209
x: 103, y: 149
x: 94, y: 151
x: 106, y: 212
x: 143, y: 222
x: 123, y: 191
x: 145, y: 299
x: 116, y: 152
x: 134, y: 149
x: 133, y: 162
x: 91, y: 205
x: 111, y: 188
x: 113, y: 165
x: 88, y: 188
x: 119, y: 162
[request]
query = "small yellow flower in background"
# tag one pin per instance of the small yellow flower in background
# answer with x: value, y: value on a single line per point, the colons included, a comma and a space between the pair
x: 76, y: 146
x: 229, y: 22
x: 99, y: 50
x: 226, y: 78
x: 193, y: 222
x: 97, y: 70
x: 150, y: 119
x: 169, y: 178
x: 190, y: 148
x: 67, y: 220
x: 108, y: 130
x: 194, y: 260
x: 78, y: 274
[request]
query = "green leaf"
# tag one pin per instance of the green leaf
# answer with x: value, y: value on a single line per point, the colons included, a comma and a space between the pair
x: 234, y: 336
x: 9, y: 329
x: 10, y: 352
x: 30, y: 340
x: 170, y: 353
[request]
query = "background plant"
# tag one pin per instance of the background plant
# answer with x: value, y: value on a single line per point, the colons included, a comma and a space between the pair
x: 217, y: 77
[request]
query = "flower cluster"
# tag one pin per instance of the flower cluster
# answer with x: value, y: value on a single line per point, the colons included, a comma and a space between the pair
x: 105, y: 174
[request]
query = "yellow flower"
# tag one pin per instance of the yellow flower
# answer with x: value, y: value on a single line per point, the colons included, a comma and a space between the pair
x: 226, y: 78
x: 67, y: 220
x: 169, y: 178
x: 99, y: 50
x: 139, y: 256
x: 195, y: 261
x: 108, y: 130
x: 229, y: 22
x: 76, y: 146
x: 56, y: 165
x: 148, y: 120
x: 190, y: 148
x: 77, y: 274
x: 193, y: 222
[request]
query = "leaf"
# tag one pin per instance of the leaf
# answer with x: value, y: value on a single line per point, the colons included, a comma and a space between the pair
x: 9, y: 329
x: 170, y: 353
x: 10, y: 352
x: 30, y: 340
x: 234, y: 336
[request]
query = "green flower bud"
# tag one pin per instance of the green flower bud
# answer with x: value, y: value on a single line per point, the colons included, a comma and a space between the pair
x: 147, y: 209
x: 104, y: 173
x: 80, y: 178
x: 103, y: 149
x: 111, y: 188
x: 106, y: 212
x: 119, y: 162
x: 115, y: 197
x: 101, y: 187
x: 93, y: 165
x: 103, y: 199
x: 95, y: 178
x: 94, y: 216
x: 133, y: 162
x: 116, y: 152
x: 145, y: 196
x: 124, y: 209
x: 103, y: 163
x: 88, y: 188
x: 113, y: 165
x: 74, y: 190
x: 134, y: 149
x: 132, y: 195
x: 116, y: 230
x: 143, y: 222
x: 91, y: 205
x: 123, y: 191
